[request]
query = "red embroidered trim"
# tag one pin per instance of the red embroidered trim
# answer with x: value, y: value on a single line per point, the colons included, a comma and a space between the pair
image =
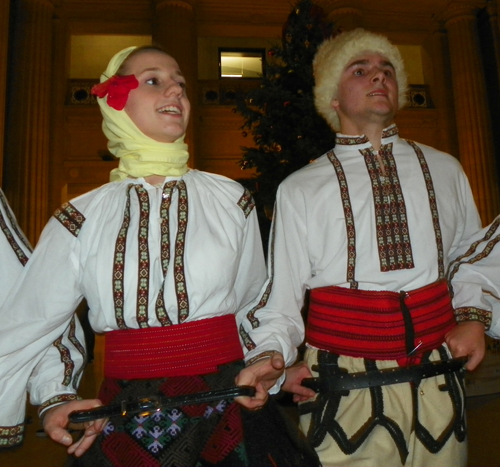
x: 186, y: 349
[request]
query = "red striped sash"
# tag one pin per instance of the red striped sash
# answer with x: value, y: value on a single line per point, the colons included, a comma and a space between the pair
x: 187, y: 349
x: 371, y: 324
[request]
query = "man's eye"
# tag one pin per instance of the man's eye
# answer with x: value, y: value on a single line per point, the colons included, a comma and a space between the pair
x: 388, y: 73
x: 359, y: 72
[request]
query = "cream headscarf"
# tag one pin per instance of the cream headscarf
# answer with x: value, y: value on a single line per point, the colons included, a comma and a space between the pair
x: 140, y: 155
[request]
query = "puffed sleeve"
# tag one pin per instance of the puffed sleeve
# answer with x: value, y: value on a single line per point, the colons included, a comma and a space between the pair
x: 37, y: 329
x: 475, y: 277
x: 275, y: 323
x: 14, y: 248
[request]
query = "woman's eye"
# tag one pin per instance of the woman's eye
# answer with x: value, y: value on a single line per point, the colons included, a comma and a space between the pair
x: 182, y: 84
x: 152, y: 81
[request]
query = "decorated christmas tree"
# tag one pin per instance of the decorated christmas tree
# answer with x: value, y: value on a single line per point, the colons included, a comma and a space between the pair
x: 280, y: 114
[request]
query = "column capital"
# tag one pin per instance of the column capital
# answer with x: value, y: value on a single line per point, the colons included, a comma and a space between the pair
x: 46, y: 3
x: 459, y: 9
x: 344, y: 13
x: 492, y: 9
x: 186, y: 4
x: 341, y: 6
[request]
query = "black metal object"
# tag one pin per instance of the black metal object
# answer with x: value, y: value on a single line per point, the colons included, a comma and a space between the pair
x: 155, y: 403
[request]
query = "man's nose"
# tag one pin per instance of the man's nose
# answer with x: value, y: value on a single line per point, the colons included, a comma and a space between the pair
x: 378, y: 75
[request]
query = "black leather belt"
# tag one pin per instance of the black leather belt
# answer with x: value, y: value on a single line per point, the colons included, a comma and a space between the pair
x: 151, y: 404
x: 367, y: 379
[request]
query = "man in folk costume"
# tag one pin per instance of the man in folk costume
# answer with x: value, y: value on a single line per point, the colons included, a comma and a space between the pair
x: 370, y: 229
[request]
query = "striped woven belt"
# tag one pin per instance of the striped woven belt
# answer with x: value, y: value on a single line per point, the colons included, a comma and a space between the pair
x: 380, y: 325
x: 186, y: 349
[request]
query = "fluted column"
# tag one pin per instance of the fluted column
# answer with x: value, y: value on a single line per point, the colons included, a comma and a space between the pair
x: 174, y: 29
x: 472, y: 114
x: 345, y: 14
x: 442, y: 96
x: 492, y: 10
x: 27, y: 155
x: 4, y: 43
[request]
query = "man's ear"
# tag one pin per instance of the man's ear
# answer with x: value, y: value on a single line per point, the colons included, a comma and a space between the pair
x: 334, y: 104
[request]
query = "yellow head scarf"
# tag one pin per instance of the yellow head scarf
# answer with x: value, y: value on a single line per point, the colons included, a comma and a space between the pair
x: 140, y: 155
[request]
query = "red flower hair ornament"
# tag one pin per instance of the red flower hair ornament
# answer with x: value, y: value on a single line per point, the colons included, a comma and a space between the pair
x: 117, y: 88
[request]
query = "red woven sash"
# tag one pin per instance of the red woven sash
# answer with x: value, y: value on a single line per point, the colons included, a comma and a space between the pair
x: 371, y: 324
x: 187, y: 349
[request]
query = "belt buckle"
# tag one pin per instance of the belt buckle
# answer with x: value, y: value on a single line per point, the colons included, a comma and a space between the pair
x: 144, y: 406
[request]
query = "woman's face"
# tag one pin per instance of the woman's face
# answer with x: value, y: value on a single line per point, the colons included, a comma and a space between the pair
x: 159, y: 105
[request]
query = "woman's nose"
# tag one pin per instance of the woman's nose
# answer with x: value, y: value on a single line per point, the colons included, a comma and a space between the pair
x: 174, y: 88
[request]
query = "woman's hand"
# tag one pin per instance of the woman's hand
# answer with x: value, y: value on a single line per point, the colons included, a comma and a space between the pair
x: 294, y: 376
x: 56, y: 425
x: 262, y: 375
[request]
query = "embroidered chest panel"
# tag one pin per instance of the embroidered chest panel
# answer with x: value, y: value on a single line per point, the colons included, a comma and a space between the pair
x: 391, y: 221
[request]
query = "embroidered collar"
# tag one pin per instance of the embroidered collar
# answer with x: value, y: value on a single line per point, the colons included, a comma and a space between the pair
x: 348, y: 140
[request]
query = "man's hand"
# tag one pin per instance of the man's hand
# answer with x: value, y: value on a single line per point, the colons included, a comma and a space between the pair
x: 262, y: 375
x: 56, y: 424
x: 467, y: 339
x: 294, y: 376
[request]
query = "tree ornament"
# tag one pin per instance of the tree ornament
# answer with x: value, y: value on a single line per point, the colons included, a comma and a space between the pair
x: 245, y: 134
x: 307, y: 44
x: 286, y: 104
x: 288, y: 37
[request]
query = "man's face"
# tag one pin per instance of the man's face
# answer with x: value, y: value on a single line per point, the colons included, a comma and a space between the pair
x: 367, y: 93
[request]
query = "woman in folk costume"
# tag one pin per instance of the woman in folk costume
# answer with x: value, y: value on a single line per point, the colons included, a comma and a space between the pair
x: 171, y: 264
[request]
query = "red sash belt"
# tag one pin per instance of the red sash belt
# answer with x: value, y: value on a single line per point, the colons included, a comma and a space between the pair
x: 380, y: 325
x: 187, y: 349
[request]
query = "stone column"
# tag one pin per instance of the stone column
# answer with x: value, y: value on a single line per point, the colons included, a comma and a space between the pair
x: 174, y: 28
x: 28, y: 115
x: 442, y: 95
x: 492, y: 9
x: 4, y: 43
x: 471, y: 108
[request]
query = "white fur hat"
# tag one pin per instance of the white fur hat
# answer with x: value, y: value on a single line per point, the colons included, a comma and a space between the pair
x: 334, y: 55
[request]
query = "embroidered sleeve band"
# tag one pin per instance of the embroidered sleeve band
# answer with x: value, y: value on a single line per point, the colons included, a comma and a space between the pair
x: 474, y: 314
x: 57, y: 400
x: 11, y: 436
x: 262, y: 355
